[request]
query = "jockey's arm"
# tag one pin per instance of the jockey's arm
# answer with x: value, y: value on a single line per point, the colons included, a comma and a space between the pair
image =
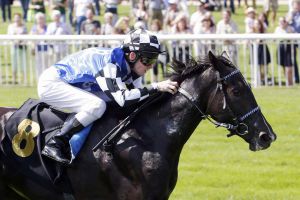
x: 111, y: 84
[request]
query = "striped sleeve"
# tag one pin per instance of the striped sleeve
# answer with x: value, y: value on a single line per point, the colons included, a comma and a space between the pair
x: 110, y: 82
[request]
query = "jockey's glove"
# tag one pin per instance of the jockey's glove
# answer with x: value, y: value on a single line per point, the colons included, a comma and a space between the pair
x: 166, y: 86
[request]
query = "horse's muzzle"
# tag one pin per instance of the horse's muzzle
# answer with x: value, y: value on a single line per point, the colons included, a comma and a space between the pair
x: 263, y: 141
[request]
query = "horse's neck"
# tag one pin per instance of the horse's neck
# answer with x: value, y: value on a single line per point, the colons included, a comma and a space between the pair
x: 183, y: 116
x: 173, y: 120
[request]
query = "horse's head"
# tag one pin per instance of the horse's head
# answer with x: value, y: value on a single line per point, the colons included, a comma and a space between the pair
x: 219, y: 92
x: 234, y: 97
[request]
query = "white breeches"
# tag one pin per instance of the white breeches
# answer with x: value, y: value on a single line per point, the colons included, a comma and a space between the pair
x: 58, y: 93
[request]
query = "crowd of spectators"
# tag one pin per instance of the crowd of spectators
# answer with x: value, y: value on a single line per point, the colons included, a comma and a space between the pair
x: 160, y: 16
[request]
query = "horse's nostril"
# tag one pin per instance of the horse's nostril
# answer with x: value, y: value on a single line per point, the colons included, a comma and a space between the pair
x: 265, y: 137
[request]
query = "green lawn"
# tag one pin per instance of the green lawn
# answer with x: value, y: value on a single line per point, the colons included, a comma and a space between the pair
x: 214, y: 167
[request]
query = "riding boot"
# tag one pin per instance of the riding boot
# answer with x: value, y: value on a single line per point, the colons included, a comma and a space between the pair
x: 58, y: 147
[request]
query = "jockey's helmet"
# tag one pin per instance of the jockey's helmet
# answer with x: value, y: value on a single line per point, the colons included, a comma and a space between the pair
x: 142, y: 42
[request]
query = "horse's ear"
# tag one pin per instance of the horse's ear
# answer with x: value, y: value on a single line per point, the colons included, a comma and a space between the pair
x: 211, y: 56
x: 225, y: 55
x: 219, y: 66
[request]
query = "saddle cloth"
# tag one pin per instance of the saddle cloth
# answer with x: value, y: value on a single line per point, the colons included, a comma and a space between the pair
x: 25, y: 134
x: 33, y: 124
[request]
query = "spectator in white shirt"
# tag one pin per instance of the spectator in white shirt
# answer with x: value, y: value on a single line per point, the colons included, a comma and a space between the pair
x: 197, y: 16
x: 249, y: 20
x: 181, y: 48
x: 18, y: 52
x: 41, y: 48
x: 80, y: 7
x: 59, y: 48
x: 205, y: 26
x: 108, y: 29
x: 227, y: 26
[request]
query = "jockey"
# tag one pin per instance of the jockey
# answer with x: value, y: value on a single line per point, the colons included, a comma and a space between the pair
x: 84, y: 81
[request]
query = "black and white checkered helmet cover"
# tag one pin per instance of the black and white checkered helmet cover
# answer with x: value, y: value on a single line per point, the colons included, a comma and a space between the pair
x: 142, y: 41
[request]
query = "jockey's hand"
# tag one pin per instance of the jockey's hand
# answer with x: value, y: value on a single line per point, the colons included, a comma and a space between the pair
x: 167, y: 86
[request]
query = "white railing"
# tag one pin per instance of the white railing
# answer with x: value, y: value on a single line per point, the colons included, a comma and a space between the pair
x: 24, y: 57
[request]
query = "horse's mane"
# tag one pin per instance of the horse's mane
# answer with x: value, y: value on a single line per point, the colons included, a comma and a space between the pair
x: 195, y: 65
x: 182, y: 70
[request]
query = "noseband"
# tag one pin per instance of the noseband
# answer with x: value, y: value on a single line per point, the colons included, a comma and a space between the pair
x: 240, y: 128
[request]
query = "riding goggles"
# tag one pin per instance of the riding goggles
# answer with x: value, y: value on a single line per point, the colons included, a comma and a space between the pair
x: 148, y: 61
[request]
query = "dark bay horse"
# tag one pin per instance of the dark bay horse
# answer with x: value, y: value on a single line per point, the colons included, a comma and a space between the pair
x: 144, y: 161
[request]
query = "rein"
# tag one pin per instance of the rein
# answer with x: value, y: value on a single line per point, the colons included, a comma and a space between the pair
x: 107, y: 140
x: 241, y: 128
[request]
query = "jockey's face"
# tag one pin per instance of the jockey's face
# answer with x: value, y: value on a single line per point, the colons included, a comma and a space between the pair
x: 143, y: 63
x: 140, y: 69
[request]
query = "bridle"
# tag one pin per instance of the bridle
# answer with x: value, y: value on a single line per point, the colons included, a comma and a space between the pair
x: 240, y: 128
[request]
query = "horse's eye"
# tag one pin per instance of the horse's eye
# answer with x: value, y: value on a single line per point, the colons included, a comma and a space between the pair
x: 236, y: 92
